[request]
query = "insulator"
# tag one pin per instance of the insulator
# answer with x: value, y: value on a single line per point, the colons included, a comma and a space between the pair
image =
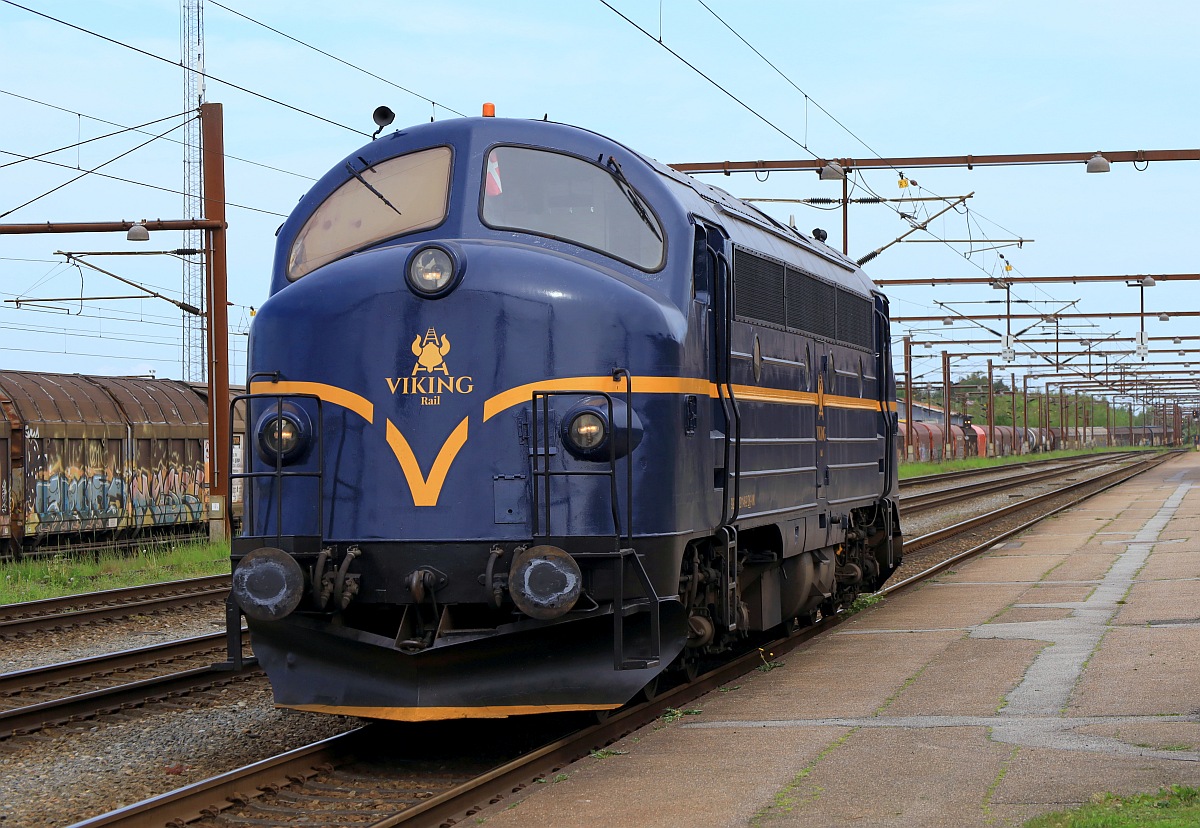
x: 822, y: 200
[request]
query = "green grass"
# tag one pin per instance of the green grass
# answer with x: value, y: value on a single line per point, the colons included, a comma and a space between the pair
x: 1174, y: 807
x: 917, y: 469
x: 34, y: 579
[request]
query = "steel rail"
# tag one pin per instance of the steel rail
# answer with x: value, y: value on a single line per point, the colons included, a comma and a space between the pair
x: 925, y: 501
x: 31, y: 718
x: 72, y: 610
x: 1120, y: 475
x: 939, y: 477
x: 211, y: 797
x: 1110, y: 481
x: 52, y: 675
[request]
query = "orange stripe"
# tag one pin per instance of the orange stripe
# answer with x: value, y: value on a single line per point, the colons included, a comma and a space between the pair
x: 670, y: 385
x: 330, y: 393
x: 752, y: 393
x: 426, y: 492
x: 430, y: 714
x: 641, y: 385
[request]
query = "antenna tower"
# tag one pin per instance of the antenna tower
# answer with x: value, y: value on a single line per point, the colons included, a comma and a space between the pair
x: 191, y: 41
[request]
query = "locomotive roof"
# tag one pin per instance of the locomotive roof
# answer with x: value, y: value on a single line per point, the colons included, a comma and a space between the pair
x: 746, y: 224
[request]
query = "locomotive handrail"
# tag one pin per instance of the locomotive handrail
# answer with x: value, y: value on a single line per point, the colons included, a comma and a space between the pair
x: 725, y: 394
x: 542, y: 398
x: 277, y: 472
x: 623, y: 549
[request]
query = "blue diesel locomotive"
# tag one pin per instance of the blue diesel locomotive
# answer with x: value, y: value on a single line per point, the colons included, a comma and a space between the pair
x: 533, y: 418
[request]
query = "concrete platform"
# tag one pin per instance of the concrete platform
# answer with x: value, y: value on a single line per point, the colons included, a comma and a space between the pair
x: 1062, y: 664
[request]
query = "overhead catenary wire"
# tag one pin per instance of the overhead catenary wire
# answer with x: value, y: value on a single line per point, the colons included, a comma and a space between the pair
x: 807, y: 99
x: 179, y: 65
x: 86, y: 172
x: 335, y: 57
x: 136, y: 183
x: 139, y: 129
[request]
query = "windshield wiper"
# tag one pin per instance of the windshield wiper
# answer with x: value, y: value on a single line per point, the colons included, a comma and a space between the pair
x: 350, y: 169
x: 624, y: 186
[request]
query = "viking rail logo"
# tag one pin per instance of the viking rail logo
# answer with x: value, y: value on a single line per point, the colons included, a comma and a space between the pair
x: 430, y: 351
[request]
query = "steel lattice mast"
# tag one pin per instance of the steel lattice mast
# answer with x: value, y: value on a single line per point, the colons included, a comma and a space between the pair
x: 191, y: 33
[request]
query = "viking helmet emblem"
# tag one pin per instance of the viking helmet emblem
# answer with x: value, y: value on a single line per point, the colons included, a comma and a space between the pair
x: 430, y: 352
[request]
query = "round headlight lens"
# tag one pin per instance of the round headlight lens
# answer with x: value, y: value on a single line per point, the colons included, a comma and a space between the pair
x: 280, y: 435
x: 430, y: 270
x: 587, y: 431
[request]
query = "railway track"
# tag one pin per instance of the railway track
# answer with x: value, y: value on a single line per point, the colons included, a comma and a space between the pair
x: 967, y: 474
x: 88, y: 608
x: 320, y: 784
x: 70, y: 692
x: 936, y: 498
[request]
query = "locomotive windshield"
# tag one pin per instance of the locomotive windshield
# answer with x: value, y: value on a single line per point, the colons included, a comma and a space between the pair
x: 568, y: 198
x: 393, y: 197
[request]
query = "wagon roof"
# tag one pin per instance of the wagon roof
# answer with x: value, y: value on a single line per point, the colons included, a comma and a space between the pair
x: 74, y: 398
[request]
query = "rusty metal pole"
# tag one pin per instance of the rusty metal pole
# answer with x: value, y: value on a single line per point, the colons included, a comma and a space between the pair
x: 1012, y: 406
x: 947, y: 439
x: 991, y: 451
x: 908, y: 399
x: 212, y: 144
x: 1024, y: 405
x: 1062, y: 412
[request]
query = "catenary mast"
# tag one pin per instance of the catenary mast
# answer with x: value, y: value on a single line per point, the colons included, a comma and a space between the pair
x: 191, y: 33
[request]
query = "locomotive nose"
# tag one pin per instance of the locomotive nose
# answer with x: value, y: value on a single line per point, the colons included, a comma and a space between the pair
x: 268, y: 584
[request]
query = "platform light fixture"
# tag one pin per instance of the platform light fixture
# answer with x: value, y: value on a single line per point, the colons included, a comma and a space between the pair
x: 947, y: 321
x: 1164, y: 317
x: 138, y: 232
x: 832, y: 171
x: 1098, y: 164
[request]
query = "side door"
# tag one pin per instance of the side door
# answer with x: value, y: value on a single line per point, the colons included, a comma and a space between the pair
x: 726, y: 417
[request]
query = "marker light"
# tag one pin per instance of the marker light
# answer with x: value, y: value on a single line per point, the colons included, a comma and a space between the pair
x: 489, y: 110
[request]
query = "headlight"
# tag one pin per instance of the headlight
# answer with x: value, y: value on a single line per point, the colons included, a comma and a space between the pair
x: 587, y: 431
x: 430, y: 271
x: 282, y: 437
x: 597, y: 428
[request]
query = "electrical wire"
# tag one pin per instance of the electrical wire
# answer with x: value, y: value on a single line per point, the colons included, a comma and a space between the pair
x: 176, y: 64
x: 137, y: 183
x: 87, y: 172
x: 807, y: 99
x: 138, y: 129
x: 335, y: 57
x: 98, y: 138
x: 699, y: 72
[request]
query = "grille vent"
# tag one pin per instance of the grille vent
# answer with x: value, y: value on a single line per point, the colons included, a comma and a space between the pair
x: 768, y: 292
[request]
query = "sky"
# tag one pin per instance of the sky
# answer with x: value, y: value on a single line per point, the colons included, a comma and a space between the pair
x: 855, y: 79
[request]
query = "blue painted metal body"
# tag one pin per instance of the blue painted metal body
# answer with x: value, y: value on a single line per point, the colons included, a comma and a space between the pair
x: 428, y: 446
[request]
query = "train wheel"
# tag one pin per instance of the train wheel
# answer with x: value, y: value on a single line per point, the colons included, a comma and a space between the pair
x: 653, y: 688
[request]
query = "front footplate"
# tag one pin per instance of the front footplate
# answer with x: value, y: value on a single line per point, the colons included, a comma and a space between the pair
x: 552, y: 668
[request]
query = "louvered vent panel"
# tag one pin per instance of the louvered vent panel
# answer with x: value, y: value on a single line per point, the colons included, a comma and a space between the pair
x: 758, y: 288
x: 854, y: 319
